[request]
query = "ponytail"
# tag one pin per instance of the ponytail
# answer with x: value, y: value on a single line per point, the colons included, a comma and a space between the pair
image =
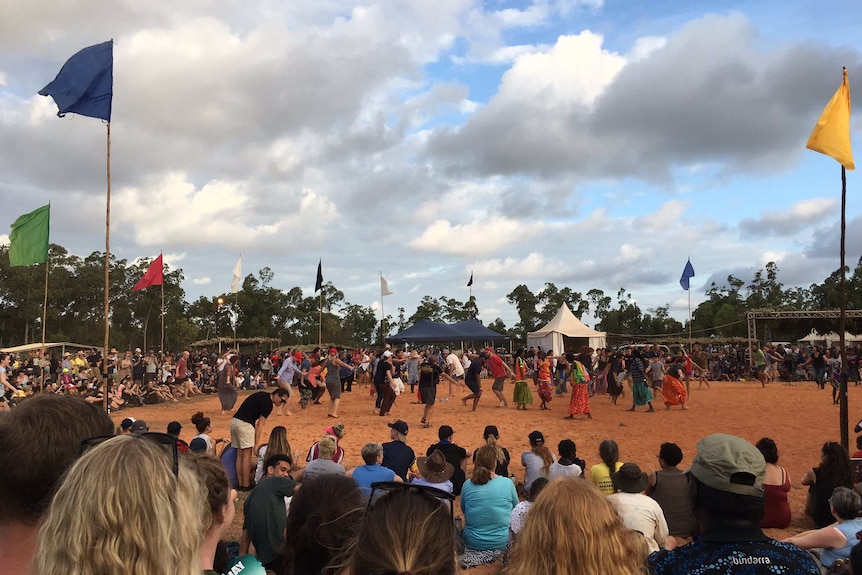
x: 501, y: 455
x: 545, y: 454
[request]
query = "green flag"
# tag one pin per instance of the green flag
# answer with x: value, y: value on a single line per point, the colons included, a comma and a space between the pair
x: 28, y: 242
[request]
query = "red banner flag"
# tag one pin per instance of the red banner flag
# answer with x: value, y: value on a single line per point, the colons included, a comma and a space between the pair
x: 153, y: 277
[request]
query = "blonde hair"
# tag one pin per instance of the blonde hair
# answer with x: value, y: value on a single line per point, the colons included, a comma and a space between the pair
x: 545, y: 454
x: 120, y: 509
x: 596, y: 540
x: 501, y: 455
x: 326, y: 447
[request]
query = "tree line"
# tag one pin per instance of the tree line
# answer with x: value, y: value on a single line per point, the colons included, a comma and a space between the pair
x: 75, y: 307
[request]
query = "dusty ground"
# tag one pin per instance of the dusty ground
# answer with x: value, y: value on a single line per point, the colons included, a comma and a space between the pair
x: 799, y: 418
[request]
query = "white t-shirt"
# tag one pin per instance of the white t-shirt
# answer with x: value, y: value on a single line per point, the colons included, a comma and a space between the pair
x: 261, y: 457
x: 643, y: 514
x: 533, y: 464
x: 558, y: 470
x: 205, y: 437
x: 455, y: 367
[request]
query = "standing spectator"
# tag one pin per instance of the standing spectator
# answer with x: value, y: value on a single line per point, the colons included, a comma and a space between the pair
x: 246, y: 428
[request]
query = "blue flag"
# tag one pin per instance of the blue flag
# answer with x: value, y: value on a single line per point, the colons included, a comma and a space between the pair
x: 85, y: 84
x: 687, y: 274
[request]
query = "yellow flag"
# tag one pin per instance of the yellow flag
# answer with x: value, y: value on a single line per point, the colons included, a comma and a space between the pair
x: 831, y: 135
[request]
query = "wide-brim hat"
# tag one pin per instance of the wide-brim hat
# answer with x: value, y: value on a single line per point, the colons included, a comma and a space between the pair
x: 435, y: 468
x: 630, y: 478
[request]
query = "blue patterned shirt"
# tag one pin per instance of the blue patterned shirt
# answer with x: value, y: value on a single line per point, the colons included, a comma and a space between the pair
x: 734, y: 550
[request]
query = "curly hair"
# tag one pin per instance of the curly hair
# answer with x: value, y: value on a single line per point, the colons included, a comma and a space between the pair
x: 835, y: 467
x: 120, y: 509
x: 596, y: 539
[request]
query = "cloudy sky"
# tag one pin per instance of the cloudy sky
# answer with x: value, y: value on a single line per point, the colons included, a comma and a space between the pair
x: 589, y: 143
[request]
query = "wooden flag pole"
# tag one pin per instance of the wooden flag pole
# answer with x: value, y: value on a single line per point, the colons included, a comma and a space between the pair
x: 44, y: 321
x: 320, y: 319
x: 842, y: 393
x: 107, y: 263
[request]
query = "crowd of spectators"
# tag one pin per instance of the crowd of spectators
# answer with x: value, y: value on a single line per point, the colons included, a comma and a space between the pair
x: 150, y: 504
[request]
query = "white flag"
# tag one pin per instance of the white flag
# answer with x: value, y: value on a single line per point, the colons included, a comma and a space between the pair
x: 237, y: 276
x: 384, y: 286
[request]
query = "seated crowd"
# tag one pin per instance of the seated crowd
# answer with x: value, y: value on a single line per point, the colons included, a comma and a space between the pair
x: 150, y: 504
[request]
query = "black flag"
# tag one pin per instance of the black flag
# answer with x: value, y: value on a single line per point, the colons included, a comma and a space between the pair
x: 319, y: 285
x: 470, y: 283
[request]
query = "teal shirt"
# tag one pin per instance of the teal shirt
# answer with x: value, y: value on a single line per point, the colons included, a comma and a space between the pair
x: 487, y: 511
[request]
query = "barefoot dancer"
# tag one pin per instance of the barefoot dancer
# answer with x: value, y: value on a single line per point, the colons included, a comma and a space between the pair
x: 522, y: 396
x: 578, y: 375
x: 641, y: 393
x: 472, y: 381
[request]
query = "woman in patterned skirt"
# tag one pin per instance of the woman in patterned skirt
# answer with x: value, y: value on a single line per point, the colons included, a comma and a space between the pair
x: 578, y: 375
x: 523, y: 397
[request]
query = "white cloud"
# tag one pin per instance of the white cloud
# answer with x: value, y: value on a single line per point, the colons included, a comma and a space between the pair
x: 476, y: 237
x: 204, y: 281
x: 173, y: 211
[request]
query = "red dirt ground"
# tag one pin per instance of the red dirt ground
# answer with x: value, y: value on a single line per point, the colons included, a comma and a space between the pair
x: 800, y: 418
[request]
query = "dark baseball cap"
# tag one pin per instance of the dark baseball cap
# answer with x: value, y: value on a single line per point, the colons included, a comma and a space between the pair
x: 400, y: 426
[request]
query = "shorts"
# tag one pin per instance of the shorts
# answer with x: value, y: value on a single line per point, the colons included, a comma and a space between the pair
x: 760, y: 368
x: 241, y: 434
x: 498, y: 383
x: 428, y: 395
x: 474, y: 387
x: 656, y: 383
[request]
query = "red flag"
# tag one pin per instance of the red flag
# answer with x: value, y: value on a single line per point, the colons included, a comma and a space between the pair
x: 153, y: 277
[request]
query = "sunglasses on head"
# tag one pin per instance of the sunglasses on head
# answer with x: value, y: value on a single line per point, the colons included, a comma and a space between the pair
x: 423, y: 490
x: 163, y: 439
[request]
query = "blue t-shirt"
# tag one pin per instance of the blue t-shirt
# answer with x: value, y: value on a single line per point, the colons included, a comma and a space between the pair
x: 365, y: 475
x: 487, y: 511
x: 848, y: 528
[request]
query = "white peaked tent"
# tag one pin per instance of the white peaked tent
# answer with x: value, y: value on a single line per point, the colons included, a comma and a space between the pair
x: 566, y: 333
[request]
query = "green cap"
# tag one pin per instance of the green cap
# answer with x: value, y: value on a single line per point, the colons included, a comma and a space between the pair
x: 729, y: 463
